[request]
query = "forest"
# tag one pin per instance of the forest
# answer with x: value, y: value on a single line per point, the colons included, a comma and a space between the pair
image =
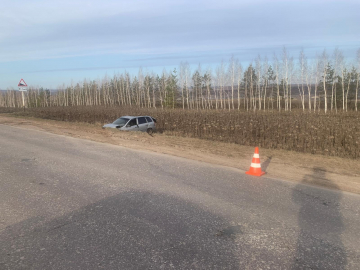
x: 326, y: 83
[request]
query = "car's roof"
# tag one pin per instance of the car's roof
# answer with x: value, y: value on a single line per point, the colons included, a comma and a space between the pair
x: 128, y: 116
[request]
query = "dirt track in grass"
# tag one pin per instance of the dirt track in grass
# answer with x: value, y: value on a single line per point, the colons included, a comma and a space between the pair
x: 339, y: 173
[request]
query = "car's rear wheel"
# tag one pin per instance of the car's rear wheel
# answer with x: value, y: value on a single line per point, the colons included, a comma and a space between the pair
x: 149, y: 131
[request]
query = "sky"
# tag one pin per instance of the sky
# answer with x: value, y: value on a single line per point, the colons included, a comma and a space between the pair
x: 54, y: 43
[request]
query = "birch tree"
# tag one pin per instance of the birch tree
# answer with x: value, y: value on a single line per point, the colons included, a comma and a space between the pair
x: 357, y: 79
x: 265, y: 68
x: 309, y: 81
x: 239, y: 71
x: 285, y: 66
x: 257, y: 94
x: 181, y: 82
x: 232, y: 74
x: 337, y: 60
x: 303, y: 68
x: 276, y: 65
x: 317, y: 71
x: 220, y: 76
x: 343, y: 78
x: 207, y: 81
x: 291, y: 74
x: 324, y: 68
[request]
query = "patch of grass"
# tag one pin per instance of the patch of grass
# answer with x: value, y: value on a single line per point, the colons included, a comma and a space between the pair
x: 316, y: 133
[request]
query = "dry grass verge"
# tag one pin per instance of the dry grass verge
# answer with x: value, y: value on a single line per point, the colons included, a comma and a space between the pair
x: 315, y: 133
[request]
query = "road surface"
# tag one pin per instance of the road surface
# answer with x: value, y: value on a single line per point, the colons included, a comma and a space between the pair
x: 68, y: 203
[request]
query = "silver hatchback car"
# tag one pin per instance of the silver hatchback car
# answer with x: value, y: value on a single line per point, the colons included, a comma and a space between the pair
x: 134, y: 123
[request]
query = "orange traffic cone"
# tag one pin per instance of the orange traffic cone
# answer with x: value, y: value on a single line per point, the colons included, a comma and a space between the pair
x: 255, y: 167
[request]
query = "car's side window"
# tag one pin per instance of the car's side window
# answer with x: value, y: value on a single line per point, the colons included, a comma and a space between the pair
x: 132, y: 122
x: 148, y: 119
x: 142, y: 120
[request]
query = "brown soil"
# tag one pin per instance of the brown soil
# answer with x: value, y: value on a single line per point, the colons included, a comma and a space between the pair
x: 330, y: 172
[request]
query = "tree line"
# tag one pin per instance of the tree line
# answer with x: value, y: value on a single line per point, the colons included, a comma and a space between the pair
x: 328, y: 83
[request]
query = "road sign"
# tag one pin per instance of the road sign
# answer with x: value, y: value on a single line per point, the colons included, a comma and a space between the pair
x: 22, y: 83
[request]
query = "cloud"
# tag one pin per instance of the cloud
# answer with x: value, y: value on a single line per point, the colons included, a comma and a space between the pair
x: 88, y: 35
x: 50, y: 29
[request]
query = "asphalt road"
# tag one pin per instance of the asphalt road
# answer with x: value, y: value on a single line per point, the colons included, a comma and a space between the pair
x: 68, y: 203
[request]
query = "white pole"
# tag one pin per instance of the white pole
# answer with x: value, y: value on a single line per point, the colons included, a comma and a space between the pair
x: 23, y: 97
x: 23, y: 100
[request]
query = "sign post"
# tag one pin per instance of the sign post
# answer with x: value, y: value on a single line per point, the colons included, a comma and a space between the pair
x: 22, y: 88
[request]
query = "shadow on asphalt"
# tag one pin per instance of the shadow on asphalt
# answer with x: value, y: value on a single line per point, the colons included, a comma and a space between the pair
x: 266, y: 163
x: 319, y: 244
x: 132, y: 230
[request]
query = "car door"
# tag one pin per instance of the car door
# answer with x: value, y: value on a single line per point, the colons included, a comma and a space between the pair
x: 151, y: 123
x: 142, y: 123
x: 132, y: 125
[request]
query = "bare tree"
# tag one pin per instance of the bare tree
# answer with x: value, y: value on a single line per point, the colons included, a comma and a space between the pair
x: 291, y: 73
x: 266, y: 78
x: 232, y: 74
x: 148, y: 84
x: 285, y: 66
x: 215, y: 82
x: 337, y: 60
x: 348, y: 84
x: 357, y: 79
x: 301, y: 79
x: 343, y: 78
x: 207, y: 81
x: 220, y: 75
x: 181, y: 82
x: 258, y: 68
x: 239, y: 72
x: 324, y: 68
x: 317, y: 71
x: 276, y: 65
x: 309, y: 82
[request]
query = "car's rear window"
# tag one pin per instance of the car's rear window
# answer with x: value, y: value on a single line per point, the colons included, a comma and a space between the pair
x: 149, y: 119
x: 141, y: 120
